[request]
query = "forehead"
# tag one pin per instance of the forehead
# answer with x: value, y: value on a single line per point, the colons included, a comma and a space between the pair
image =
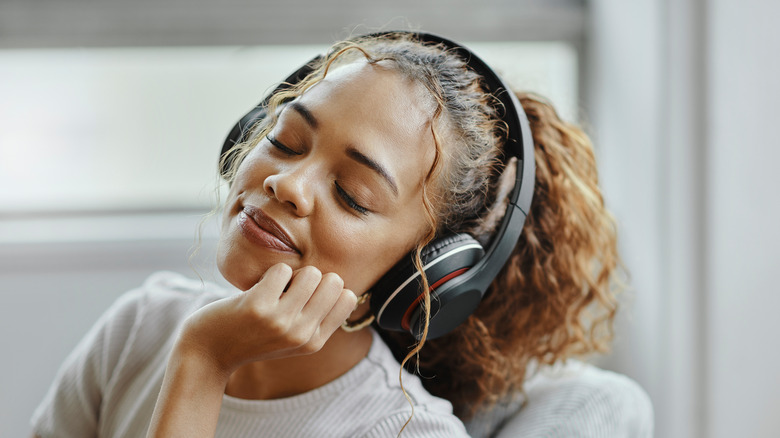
x: 379, y: 88
x: 379, y: 111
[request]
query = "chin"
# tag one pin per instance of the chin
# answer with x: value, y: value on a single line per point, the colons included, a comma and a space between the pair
x: 238, y: 269
x: 244, y: 266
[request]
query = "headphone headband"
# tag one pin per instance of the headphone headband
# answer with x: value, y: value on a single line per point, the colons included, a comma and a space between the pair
x: 460, y: 280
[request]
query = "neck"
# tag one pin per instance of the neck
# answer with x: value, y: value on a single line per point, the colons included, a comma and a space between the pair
x: 291, y: 376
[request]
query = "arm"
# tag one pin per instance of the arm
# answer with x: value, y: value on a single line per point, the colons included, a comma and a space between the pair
x: 71, y: 407
x: 265, y: 322
x: 190, y: 398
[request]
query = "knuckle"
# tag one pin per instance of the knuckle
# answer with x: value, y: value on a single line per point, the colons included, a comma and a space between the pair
x: 312, y: 346
x: 333, y: 279
x: 298, y: 339
x: 311, y: 272
x: 350, y: 297
x: 258, y: 312
x: 270, y: 321
x: 281, y: 268
x: 276, y: 327
x: 279, y: 271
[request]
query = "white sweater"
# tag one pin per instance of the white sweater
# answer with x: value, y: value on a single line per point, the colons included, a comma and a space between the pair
x: 108, y: 386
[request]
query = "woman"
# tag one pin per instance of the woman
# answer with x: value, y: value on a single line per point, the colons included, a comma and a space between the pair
x: 389, y: 143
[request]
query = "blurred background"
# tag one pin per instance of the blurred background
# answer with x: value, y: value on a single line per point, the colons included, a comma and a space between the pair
x: 112, y: 114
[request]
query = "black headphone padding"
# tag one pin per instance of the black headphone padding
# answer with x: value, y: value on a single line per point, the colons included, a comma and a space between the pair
x: 396, y: 295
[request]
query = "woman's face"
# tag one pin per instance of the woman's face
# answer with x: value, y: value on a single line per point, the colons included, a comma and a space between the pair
x: 337, y: 184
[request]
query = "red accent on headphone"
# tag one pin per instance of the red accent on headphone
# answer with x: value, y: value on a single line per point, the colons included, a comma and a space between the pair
x: 408, y: 313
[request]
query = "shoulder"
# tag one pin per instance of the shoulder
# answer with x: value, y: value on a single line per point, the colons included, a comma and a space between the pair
x: 145, y: 320
x: 167, y: 286
x: 578, y: 399
x: 132, y: 335
x: 167, y: 293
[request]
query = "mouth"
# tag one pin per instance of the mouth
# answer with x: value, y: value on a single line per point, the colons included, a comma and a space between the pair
x: 259, y: 228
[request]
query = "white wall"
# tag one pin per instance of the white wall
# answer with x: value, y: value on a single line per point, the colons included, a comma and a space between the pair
x: 684, y: 98
x: 743, y: 208
x: 140, y: 128
x: 624, y: 92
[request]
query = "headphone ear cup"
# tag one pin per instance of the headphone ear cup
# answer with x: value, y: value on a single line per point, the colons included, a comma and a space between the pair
x: 238, y: 134
x: 398, y: 294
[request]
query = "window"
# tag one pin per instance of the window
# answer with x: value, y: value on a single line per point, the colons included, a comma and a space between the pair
x: 140, y: 129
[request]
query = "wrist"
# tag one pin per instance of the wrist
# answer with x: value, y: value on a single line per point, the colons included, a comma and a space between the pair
x: 191, y: 395
x: 195, y: 350
x: 199, y: 362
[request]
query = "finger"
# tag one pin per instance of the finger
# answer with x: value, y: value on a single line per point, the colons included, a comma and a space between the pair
x: 301, y: 289
x: 273, y: 283
x: 339, y: 313
x: 324, y: 297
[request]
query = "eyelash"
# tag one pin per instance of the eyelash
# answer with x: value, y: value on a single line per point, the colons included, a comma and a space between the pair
x: 280, y: 146
x: 341, y: 192
x: 349, y: 201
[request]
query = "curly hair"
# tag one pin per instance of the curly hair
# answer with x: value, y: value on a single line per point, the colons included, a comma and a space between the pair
x: 555, y: 297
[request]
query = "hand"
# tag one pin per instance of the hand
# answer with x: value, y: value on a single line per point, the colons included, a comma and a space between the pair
x: 285, y: 314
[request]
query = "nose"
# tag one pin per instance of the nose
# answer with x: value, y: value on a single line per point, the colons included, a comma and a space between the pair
x: 292, y: 188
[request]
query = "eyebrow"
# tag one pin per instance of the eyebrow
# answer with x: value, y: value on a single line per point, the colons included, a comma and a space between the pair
x: 378, y: 168
x: 305, y: 113
x: 351, y: 151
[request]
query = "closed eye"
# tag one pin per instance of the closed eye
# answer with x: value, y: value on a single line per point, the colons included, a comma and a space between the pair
x: 284, y: 149
x: 349, y: 200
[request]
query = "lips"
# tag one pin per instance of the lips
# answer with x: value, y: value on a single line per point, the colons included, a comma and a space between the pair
x: 261, y: 229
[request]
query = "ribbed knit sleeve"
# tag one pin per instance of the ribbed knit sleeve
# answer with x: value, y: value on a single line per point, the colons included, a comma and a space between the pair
x: 71, y: 408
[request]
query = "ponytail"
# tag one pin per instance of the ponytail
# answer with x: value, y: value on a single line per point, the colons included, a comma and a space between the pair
x: 555, y: 297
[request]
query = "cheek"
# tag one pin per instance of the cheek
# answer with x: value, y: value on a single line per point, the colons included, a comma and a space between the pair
x: 251, y: 173
x: 363, y: 256
x: 235, y: 264
x: 232, y: 258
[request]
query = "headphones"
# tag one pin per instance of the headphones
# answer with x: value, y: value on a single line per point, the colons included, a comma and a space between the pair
x: 458, y: 268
